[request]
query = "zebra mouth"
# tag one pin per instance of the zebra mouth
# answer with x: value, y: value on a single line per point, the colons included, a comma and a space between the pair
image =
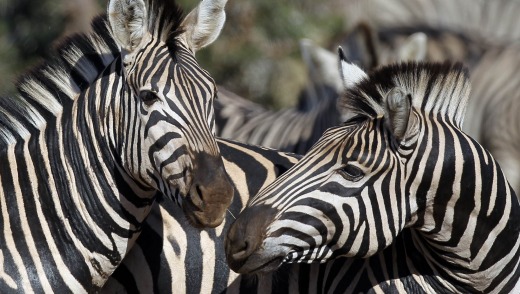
x: 199, y: 215
x: 269, y: 266
x: 190, y: 210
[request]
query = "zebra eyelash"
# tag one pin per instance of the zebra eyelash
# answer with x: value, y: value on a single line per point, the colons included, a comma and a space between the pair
x: 148, y: 97
x: 351, y: 173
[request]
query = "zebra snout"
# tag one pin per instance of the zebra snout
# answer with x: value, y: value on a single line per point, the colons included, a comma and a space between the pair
x: 210, y: 194
x: 245, y: 236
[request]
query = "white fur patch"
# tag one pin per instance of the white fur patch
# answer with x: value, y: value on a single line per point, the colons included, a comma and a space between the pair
x: 351, y: 74
x: 204, y: 23
x: 128, y: 22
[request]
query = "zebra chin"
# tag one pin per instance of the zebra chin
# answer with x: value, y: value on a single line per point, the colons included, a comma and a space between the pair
x: 261, y: 262
x: 247, y: 251
x: 200, y: 218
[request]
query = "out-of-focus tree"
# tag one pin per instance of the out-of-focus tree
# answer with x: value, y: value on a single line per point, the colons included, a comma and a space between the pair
x: 79, y: 14
x: 256, y: 56
x: 30, y: 29
x: 26, y: 30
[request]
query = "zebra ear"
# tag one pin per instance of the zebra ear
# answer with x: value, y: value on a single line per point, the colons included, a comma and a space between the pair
x: 127, y: 20
x: 350, y: 73
x: 204, y: 23
x: 399, y: 114
x: 321, y: 64
x: 414, y: 48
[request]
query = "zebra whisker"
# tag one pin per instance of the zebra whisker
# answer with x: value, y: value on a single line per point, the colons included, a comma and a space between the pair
x: 231, y: 214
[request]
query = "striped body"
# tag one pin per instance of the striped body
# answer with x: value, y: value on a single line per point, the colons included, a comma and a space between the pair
x: 291, y: 129
x: 400, y: 175
x: 93, y: 137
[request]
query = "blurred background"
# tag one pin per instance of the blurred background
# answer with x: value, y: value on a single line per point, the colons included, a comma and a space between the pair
x: 256, y: 56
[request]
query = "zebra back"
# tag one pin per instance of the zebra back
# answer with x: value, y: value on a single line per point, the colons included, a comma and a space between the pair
x: 292, y: 129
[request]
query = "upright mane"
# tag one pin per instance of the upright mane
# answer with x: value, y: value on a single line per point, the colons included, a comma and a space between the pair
x: 439, y: 88
x: 47, y: 89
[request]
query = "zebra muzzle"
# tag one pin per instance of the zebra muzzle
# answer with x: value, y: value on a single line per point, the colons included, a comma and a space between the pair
x: 210, y: 194
x: 244, y: 240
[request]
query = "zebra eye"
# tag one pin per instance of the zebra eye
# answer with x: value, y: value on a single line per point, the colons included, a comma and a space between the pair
x: 351, y: 173
x: 148, y: 97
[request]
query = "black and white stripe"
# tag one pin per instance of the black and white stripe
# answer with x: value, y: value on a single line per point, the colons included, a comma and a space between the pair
x: 400, y: 175
x: 292, y: 129
x: 170, y: 256
x: 118, y: 117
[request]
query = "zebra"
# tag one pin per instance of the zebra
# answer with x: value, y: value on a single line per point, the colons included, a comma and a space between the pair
x: 291, y: 129
x: 409, y: 201
x: 482, y: 34
x: 170, y: 256
x: 296, y: 129
x: 95, y: 134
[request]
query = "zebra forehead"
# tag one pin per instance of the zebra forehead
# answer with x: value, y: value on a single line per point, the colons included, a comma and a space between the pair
x: 164, y: 21
x: 440, y: 88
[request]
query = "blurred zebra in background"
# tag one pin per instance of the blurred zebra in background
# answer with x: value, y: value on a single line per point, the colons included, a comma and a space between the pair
x: 117, y: 118
x: 414, y: 203
x: 493, y: 110
x: 296, y: 129
x: 292, y: 129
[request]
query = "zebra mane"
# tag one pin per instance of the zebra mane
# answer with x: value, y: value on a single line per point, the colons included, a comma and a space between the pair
x: 47, y: 89
x: 439, y: 88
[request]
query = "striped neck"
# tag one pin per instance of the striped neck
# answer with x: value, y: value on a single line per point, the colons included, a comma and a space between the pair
x: 465, y: 211
x: 61, y: 124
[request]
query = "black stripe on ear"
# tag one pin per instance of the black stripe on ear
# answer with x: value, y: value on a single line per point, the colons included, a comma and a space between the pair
x: 342, y: 55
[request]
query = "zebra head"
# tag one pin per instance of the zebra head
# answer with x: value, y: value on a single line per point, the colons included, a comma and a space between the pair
x: 171, y: 146
x: 361, y: 183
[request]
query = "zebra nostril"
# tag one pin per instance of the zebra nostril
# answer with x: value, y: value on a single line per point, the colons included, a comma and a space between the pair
x: 195, y: 198
x: 201, y: 195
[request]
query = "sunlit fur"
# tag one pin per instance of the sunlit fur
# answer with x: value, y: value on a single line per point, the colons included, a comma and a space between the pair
x: 83, y: 158
x: 436, y: 197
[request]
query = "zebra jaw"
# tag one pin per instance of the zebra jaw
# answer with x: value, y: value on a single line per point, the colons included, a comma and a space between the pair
x: 246, y: 253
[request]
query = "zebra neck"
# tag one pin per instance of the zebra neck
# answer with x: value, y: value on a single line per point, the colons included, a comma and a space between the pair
x: 469, y: 231
x: 66, y: 182
x: 103, y: 131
